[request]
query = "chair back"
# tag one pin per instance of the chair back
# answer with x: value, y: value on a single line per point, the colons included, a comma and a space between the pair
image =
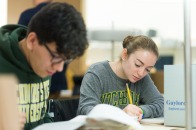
x: 63, y: 109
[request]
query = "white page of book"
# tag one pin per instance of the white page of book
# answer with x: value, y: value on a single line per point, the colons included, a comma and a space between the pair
x: 104, y: 111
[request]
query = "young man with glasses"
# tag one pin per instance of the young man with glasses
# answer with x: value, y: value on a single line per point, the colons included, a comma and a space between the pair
x: 55, y: 35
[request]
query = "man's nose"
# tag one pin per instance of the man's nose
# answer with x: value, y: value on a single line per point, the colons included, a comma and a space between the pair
x: 59, y: 67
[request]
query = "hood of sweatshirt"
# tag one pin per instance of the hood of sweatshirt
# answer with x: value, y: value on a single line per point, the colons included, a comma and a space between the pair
x: 11, y: 56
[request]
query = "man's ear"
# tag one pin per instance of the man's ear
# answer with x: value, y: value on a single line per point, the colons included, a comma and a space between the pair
x: 124, y: 54
x: 32, y: 40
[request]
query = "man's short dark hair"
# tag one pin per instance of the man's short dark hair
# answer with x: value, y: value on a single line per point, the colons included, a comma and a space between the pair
x: 63, y: 24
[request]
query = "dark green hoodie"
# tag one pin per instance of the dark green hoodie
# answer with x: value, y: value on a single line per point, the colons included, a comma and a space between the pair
x: 33, y: 91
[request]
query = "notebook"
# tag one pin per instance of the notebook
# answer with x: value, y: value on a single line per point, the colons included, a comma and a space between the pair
x: 174, y: 95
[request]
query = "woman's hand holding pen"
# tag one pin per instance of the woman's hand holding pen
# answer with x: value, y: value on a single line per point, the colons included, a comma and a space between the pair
x: 133, y: 110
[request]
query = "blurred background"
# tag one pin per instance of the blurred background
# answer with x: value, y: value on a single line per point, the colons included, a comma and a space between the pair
x: 109, y: 21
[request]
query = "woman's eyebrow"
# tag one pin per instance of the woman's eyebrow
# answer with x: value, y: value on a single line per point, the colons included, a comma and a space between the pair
x: 143, y: 63
x: 140, y: 61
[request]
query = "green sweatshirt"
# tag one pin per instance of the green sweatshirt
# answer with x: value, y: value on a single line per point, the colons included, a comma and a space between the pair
x: 33, y: 91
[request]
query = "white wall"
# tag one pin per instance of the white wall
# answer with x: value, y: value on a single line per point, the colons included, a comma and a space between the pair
x: 166, y: 16
x: 179, y: 55
x: 3, y: 12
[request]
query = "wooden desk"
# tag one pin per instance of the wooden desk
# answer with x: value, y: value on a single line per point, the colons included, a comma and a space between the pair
x: 60, y: 95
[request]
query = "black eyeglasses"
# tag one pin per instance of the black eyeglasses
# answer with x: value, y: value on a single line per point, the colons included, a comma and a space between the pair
x: 57, y: 59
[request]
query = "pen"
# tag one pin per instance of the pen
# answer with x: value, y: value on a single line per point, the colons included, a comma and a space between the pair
x: 129, y: 93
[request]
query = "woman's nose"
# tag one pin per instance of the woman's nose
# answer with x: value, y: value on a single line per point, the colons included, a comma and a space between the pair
x: 141, y: 72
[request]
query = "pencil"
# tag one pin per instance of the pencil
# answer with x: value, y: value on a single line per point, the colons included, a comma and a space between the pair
x: 129, y: 94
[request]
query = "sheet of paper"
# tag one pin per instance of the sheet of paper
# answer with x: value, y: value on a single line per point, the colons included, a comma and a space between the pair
x: 108, y: 112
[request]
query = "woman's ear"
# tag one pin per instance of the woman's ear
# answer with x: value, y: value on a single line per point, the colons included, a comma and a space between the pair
x: 32, y: 40
x: 124, y: 54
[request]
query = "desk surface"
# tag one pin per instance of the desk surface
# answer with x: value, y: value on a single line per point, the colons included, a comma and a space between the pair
x: 158, y: 124
x: 161, y: 127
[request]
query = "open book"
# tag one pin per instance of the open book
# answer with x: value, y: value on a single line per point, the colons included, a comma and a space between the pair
x: 102, y: 117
